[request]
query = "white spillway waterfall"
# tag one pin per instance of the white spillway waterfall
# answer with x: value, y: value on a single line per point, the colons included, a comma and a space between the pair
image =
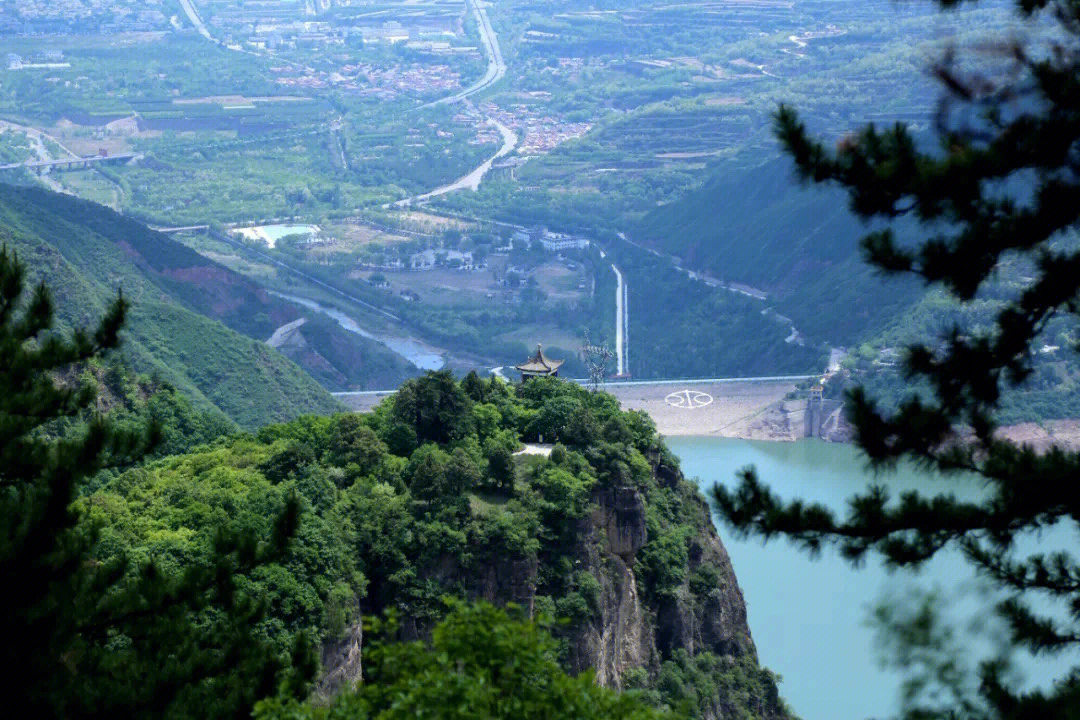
x: 620, y: 322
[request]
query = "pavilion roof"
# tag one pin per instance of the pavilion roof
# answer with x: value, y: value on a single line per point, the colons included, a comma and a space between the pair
x: 539, y: 363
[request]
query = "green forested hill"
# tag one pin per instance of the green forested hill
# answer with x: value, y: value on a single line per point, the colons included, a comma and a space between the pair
x: 86, y: 252
x: 756, y: 225
x: 424, y: 499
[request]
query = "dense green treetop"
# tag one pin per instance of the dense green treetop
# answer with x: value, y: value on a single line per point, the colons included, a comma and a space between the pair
x: 430, y: 471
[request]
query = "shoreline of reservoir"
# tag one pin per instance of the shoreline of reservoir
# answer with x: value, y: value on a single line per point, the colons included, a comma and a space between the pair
x: 761, y: 411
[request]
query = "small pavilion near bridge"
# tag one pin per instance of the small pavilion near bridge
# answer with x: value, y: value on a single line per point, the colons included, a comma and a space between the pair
x: 539, y: 366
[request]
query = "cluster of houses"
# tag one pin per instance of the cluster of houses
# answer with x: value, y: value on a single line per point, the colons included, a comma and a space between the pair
x: 434, y: 257
x: 466, y: 261
x: 540, y: 132
x: 80, y: 17
x: 510, y: 276
x: 551, y: 241
x: 279, y: 25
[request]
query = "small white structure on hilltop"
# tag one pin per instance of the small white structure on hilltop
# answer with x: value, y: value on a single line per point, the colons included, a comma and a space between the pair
x: 14, y: 61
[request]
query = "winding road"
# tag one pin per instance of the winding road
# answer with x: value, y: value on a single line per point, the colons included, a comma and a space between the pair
x: 472, y: 180
x: 193, y: 16
x: 496, y: 65
x: 495, y: 72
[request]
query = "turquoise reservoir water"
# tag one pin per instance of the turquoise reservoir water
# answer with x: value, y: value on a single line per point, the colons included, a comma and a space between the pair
x: 276, y: 232
x: 809, y: 617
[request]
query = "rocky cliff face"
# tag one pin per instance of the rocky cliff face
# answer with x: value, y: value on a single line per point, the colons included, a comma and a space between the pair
x: 629, y: 629
x: 342, y: 661
x: 619, y: 637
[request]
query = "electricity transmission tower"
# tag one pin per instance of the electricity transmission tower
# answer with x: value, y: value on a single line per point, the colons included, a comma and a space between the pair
x: 596, y: 358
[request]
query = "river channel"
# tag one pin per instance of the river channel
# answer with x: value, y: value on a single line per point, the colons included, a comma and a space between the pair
x: 810, y: 617
x: 418, y: 353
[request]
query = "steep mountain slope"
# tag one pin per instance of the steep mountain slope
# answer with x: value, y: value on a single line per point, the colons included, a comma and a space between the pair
x: 86, y: 253
x: 756, y: 225
x: 340, y: 360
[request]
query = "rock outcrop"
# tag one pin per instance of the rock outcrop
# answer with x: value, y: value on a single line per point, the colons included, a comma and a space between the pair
x: 706, y: 613
x: 628, y: 629
x: 506, y: 580
x: 619, y: 638
x: 709, y: 615
x: 342, y: 662
x: 620, y: 512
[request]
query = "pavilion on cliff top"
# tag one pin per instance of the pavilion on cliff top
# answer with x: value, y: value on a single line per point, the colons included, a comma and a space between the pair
x: 539, y: 366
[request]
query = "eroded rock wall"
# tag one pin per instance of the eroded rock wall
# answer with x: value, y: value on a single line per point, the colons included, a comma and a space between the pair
x: 705, y: 614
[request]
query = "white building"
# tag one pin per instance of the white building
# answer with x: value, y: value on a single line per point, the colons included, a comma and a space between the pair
x: 431, y: 258
x: 557, y: 242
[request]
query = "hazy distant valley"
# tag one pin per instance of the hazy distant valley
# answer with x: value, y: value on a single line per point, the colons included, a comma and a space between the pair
x: 461, y: 179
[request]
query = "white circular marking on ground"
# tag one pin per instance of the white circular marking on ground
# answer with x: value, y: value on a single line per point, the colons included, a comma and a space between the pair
x: 689, y: 399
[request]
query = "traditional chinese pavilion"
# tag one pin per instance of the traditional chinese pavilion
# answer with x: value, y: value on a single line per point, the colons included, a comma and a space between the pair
x: 539, y: 366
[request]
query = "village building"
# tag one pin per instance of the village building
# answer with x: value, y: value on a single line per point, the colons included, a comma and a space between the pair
x: 556, y: 242
x: 539, y: 366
